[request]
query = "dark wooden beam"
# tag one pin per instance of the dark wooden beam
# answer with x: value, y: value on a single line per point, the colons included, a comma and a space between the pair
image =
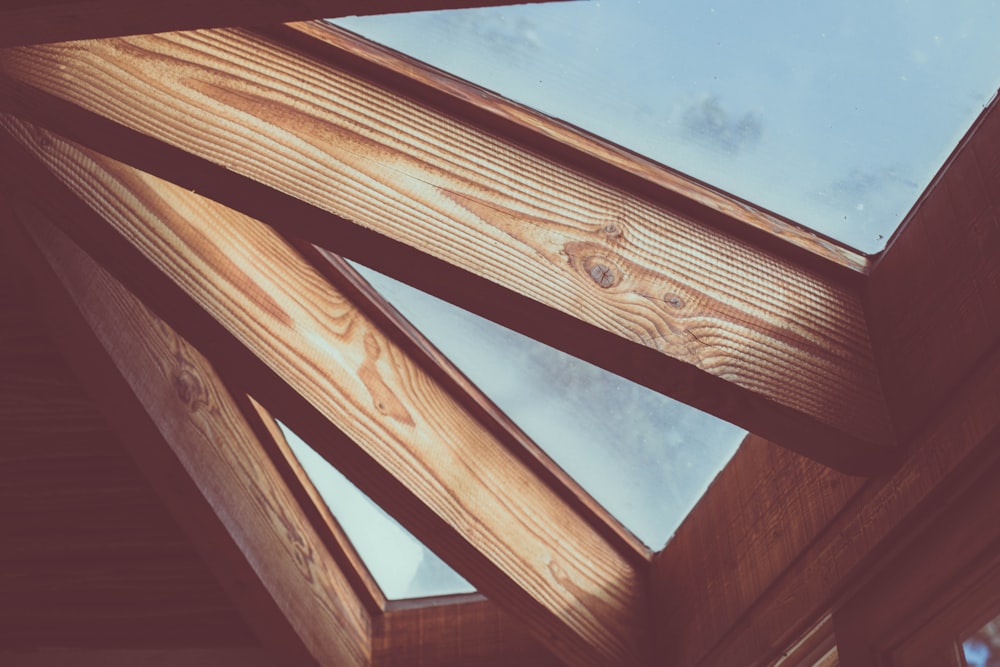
x: 269, y: 318
x: 191, y: 438
x: 843, y: 540
x: 932, y: 299
x: 41, y: 21
x: 635, y: 286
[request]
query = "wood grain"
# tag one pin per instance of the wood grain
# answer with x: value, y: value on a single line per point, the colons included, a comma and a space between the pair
x: 455, y: 632
x: 39, y: 21
x: 933, y: 299
x: 616, y: 279
x: 200, y: 453
x: 266, y: 315
x: 346, y: 279
x: 954, y: 449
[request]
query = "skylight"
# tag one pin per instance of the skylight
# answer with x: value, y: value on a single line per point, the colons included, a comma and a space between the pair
x: 836, y: 115
x: 400, y: 564
x: 645, y: 457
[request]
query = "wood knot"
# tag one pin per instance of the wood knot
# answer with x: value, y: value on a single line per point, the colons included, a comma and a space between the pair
x: 611, y: 230
x: 602, y: 274
x: 674, y: 301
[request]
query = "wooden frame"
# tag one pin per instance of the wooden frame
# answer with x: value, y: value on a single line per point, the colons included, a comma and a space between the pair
x: 680, y: 304
x: 937, y: 411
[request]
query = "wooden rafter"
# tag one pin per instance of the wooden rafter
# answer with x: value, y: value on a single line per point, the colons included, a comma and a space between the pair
x: 191, y: 438
x: 30, y: 22
x: 681, y: 306
x: 264, y: 314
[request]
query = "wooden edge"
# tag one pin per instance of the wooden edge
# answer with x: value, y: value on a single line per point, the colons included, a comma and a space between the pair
x: 572, y: 146
x: 455, y: 631
x: 947, y: 457
x: 576, y: 593
x: 861, y: 443
x: 87, y: 19
x: 345, y: 278
x: 325, y: 524
x: 180, y: 424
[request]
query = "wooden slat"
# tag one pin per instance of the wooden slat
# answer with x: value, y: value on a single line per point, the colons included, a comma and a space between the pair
x: 39, y: 21
x: 958, y: 444
x: 934, y: 297
x: 454, y: 632
x: 631, y: 285
x: 238, y: 289
x: 191, y: 439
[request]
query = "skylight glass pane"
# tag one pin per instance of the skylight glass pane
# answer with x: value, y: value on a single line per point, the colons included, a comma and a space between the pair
x: 646, y: 458
x: 401, y: 565
x: 834, y: 114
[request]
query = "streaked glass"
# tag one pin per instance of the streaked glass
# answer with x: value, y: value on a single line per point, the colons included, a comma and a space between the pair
x: 834, y: 114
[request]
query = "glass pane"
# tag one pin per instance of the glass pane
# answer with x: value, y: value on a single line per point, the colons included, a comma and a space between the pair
x: 401, y: 565
x: 983, y: 648
x: 644, y: 457
x: 834, y: 114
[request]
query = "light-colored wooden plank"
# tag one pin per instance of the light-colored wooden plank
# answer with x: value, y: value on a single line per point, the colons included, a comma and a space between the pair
x: 625, y: 282
x: 192, y: 440
x: 266, y: 315
x: 934, y: 297
x: 35, y: 22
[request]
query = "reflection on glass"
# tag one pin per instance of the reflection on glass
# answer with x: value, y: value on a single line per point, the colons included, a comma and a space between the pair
x: 401, y: 565
x: 983, y: 648
x: 643, y: 456
x: 835, y: 114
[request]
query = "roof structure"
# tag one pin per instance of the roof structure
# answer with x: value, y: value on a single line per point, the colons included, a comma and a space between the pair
x: 181, y: 204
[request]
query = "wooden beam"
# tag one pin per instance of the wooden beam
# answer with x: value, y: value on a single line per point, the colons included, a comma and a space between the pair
x: 190, y: 437
x: 267, y: 316
x: 628, y: 283
x: 932, y: 298
x: 804, y: 583
x: 36, y: 22
x: 455, y: 631
x: 347, y: 280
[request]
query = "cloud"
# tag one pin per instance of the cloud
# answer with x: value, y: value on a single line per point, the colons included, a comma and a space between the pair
x: 707, y: 122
